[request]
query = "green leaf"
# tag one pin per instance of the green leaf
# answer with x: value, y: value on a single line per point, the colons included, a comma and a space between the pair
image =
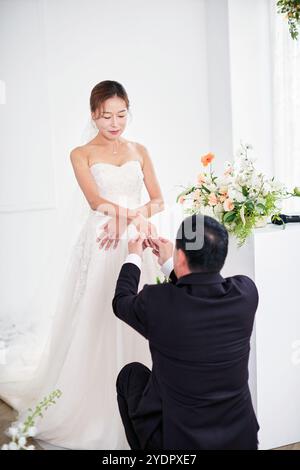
x: 262, y: 208
x: 249, y: 206
x: 229, y: 217
x: 205, y: 189
x: 245, y: 191
x: 185, y: 192
x: 297, y: 191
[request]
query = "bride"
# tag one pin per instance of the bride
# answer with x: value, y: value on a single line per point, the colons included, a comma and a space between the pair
x: 88, y: 345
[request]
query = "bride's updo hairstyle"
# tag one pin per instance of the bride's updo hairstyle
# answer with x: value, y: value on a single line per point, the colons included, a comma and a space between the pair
x: 104, y: 90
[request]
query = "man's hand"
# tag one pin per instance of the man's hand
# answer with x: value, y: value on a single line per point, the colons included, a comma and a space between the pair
x: 162, y: 248
x: 137, y: 245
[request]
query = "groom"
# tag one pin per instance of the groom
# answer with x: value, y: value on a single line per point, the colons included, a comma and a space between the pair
x: 198, y: 326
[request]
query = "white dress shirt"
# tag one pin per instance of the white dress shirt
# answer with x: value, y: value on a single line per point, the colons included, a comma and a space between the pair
x: 166, y: 268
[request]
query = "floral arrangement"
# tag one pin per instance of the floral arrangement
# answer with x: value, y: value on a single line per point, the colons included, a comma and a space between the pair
x: 21, y: 432
x: 241, y: 198
x: 291, y: 10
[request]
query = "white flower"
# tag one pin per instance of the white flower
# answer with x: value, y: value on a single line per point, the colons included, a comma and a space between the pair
x: 224, y: 181
x: 240, y: 180
x: 31, y: 431
x: 236, y: 195
x: 245, y: 165
x: 239, y: 153
x: 219, y: 209
x: 13, y: 431
x: 5, y: 447
x: 22, y: 441
x: 31, y: 447
x: 256, y: 179
x: 266, y: 189
x: 211, y: 186
x: 277, y: 186
x: 231, y: 193
x: 249, y: 146
x: 13, y: 446
x: 239, y: 197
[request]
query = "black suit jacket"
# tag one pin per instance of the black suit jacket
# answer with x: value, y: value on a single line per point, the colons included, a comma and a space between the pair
x: 199, y: 328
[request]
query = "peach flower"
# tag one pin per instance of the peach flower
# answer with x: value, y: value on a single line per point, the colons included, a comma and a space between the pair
x: 212, y: 199
x: 197, y: 194
x: 223, y: 190
x: 228, y: 205
x: 207, y: 159
x: 201, y: 178
x: 228, y: 171
x: 223, y: 193
x: 223, y: 197
x: 181, y: 199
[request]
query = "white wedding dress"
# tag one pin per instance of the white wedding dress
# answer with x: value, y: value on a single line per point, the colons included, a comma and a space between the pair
x: 88, y: 345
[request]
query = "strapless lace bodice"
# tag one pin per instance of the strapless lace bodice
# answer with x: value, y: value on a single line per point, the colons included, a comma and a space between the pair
x: 120, y: 184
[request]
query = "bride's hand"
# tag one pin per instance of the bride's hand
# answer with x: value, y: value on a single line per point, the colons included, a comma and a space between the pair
x: 112, y: 232
x: 143, y: 225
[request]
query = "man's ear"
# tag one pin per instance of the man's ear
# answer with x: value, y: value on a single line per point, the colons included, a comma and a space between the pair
x: 180, y: 257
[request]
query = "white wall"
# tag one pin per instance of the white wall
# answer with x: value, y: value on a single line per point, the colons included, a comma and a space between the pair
x: 250, y: 71
x: 219, y: 81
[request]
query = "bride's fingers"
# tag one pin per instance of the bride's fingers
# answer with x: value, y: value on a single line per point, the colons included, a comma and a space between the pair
x: 104, y: 229
x: 109, y: 243
x: 152, y: 243
x: 116, y: 243
x: 103, y: 242
x: 146, y: 243
x: 149, y: 243
x: 100, y: 236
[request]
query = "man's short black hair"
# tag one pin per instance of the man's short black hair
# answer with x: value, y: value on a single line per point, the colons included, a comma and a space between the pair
x: 204, y: 241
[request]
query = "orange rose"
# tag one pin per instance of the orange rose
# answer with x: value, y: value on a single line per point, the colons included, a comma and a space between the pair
x: 207, y: 159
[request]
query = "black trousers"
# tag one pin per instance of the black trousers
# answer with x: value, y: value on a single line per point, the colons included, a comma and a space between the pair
x: 131, y: 383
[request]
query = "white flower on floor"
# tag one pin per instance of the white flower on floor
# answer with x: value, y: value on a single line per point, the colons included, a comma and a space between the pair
x: 20, y: 432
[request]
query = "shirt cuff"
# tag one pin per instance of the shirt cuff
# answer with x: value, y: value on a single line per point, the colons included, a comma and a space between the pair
x: 167, y: 267
x: 134, y: 259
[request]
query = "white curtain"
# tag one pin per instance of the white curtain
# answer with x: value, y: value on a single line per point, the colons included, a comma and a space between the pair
x: 286, y: 105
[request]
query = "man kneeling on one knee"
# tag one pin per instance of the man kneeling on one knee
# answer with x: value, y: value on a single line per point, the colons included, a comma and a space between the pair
x: 198, y: 326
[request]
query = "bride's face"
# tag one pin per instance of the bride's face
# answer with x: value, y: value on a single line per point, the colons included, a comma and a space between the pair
x: 111, y: 119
